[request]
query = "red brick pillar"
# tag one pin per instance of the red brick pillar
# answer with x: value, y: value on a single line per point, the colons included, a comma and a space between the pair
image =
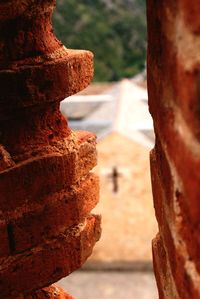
x: 174, y: 99
x: 46, y: 190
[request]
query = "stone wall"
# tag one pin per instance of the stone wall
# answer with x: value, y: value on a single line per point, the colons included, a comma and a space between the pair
x: 174, y: 100
x: 46, y: 189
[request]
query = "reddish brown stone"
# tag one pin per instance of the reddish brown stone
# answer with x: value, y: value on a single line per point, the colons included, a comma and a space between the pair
x: 160, y: 264
x: 4, y: 241
x: 5, y: 159
x: 165, y: 283
x: 61, y: 211
x: 33, y: 131
x: 188, y: 162
x: 52, y: 292
x: 187, y: 165
x: 189, y: 233
x: 175, y: 262
x: 29, y: 29
x: 187, y: 94
x: 39, y: 176
x: 182, y: 90
x: 46, y: 82
x: 173, y: 86
x: 49, y: 262
x: 191, y: 10
x: 164, y: 171
x: 46, y: 191
x: 169, y: 265
x: 158, y: 192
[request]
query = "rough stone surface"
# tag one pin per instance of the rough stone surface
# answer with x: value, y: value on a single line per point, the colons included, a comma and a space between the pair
x: 173, y: 85
x: 46, y: 190
x: 60, y: 211
x: 53, y: 292
x: 49, y: 261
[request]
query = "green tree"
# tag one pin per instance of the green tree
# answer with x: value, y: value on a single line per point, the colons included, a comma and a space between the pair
x: 116, y: 33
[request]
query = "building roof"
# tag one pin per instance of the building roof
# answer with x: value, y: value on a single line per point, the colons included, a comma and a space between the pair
x: 118, y: 107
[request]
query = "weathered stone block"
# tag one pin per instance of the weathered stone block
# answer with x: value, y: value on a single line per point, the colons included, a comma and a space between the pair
x: 190, y: 10
x: 4, y: 240
x: 165, y: 282
x: 46, y: 191
x: 173, y: 85
x: 53, y: 292
x: 61, y: 210
x: 49, y: 262
x: 32, y: 180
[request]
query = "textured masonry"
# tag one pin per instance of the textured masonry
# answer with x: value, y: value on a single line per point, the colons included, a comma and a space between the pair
x: 46, y: 188
x: 174, y: 100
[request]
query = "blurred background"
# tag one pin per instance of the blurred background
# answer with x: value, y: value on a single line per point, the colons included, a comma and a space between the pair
x: 115, y: 107
x: 115, y: 30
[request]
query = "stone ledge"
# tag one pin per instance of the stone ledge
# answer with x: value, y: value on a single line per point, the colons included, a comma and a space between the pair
x: 45, y: 264
x: 49, y: 80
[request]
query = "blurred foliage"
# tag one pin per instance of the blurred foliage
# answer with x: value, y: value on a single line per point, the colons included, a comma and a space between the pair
x: 115, y: 30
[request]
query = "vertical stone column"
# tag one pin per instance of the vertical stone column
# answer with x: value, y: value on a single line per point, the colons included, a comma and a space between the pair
x: 174, y: 100
x: 46, y: 188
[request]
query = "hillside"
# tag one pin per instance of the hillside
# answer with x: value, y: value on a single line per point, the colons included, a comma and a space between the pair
x: 114, y: 30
